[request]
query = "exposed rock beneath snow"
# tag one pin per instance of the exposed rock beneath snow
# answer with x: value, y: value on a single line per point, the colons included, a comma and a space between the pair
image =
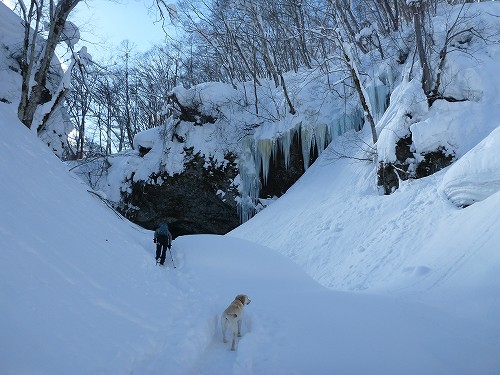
x: 203, y: 198
x: 410, y: 164
x: 283, y: 174
x: 191, y: 109
x: 199, y: 200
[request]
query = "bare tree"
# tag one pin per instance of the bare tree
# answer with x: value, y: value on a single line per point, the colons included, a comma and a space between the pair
x: 37, y: 56
x: 457, y: 28
x: 79, y: 103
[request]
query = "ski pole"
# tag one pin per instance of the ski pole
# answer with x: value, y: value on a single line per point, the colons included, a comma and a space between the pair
x: 170, y: 251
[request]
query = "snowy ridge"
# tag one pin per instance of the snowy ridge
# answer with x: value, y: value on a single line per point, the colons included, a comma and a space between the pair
x: 476, y: 176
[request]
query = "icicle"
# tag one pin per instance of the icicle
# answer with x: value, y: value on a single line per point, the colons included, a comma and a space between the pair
x: 256, y: 154
x: 377, y: 94
x: 249, y: 190
x: 285, y: 142
x: 264, y: 149
x: 306, y: 136
x: 275, y: 151
x: 320, y: 136
x: 249, y: 186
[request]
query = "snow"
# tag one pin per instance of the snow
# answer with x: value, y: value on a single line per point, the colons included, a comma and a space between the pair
x: 70, y: 34
x: 476, y: 176
x: 146, y: 138
x: 81, y: 293
x: 84, y: 58
x: 343, y: 280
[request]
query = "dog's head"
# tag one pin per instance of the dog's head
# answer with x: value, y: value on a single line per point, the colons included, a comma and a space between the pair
x: 243, y: 298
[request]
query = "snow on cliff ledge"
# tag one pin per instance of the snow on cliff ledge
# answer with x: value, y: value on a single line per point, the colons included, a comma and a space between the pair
x: 471, y: 77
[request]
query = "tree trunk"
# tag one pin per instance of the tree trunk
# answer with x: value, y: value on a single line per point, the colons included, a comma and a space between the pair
x: 362, y: 95
x: 285, y: 92
x: 33, y: 97
x: 422, y: 53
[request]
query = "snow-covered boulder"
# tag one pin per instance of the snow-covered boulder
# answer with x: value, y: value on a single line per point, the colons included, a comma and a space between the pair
x: 476, y: 175
x: 145, y: 140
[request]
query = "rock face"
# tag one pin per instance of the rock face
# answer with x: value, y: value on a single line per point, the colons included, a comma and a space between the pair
x: 204, y: 196
x: 199, y: 200
x: 410, y: 165
x: 203, y: 199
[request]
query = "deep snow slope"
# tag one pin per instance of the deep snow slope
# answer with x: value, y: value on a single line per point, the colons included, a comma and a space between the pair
x: 348, y: 236
x: 73, y: 280
x: 295, y: 326
x: 419, y: 241
x: 81, y: 295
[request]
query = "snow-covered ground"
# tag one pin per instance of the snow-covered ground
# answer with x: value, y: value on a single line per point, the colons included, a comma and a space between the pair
x: 81, y: 293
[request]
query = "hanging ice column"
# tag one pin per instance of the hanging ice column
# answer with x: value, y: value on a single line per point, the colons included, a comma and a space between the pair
x: 378, y: 94
x: 266, y: 148
x: 285, y: 144
x: 257, y: 154
x: 249, y: 187
x: 379, y: 91
x: 307, y: 142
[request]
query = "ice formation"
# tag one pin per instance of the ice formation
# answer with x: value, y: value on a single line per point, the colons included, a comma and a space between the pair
x: 259, y: 151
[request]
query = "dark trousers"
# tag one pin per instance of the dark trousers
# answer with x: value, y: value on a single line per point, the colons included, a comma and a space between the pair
x: 161, y: 251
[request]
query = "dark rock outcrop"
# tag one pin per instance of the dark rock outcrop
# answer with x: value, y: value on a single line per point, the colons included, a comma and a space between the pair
x: 410, y: 165
x: 199, y: 200
x: 281, y: 178
x: 203, y: 198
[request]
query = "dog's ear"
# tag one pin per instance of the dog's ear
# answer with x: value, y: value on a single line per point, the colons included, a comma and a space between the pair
x: 243, y: 298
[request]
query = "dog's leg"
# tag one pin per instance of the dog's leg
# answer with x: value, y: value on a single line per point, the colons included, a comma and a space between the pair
x: 233, y: 344
x: 239, y: 328
x: 223, y: 324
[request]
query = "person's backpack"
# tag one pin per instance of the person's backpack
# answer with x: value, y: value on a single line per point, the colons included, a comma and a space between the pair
x: 163, y: 229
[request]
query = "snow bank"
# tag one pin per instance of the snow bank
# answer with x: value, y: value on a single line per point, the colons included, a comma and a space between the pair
x: 408, y: 105
x: 146, y: 138
x: 475, y: 176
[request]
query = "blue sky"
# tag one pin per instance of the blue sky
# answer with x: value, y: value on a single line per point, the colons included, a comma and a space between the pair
x: 104, y: 24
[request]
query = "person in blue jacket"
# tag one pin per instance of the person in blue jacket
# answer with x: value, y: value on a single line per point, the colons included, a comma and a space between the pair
x: 163, y: 240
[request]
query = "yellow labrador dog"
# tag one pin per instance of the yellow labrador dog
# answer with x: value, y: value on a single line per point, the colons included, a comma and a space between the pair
x: 232, y: 317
